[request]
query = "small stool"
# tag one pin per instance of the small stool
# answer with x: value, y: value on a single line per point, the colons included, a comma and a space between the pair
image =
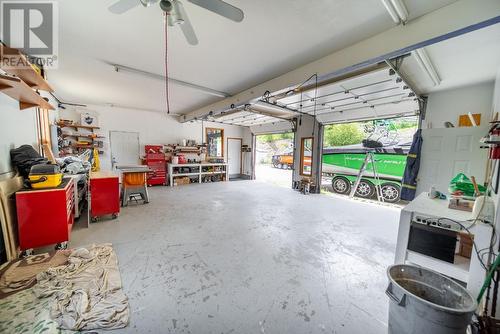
x: 132, y: 192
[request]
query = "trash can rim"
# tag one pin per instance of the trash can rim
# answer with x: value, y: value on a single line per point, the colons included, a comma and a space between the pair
x: 472, y: 308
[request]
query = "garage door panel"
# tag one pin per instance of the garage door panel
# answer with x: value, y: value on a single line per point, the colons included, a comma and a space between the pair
x: 377, y: 87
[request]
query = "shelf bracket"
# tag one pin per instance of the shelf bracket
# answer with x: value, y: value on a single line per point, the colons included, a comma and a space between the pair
x: 26, y: 105
x: 4, y: 87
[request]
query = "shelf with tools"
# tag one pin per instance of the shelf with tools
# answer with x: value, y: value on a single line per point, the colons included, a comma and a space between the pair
x: 81, y: 140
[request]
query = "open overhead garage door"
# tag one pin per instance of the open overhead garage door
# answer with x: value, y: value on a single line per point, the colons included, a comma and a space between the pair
x: 378, y: 94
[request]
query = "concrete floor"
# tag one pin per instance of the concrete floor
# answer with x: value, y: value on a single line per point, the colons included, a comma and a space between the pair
x: 247, y: 257
x: 275, y: 176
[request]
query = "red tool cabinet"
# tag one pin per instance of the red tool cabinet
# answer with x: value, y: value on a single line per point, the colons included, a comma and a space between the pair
x: 104, y: 193
x: 45, y: 216
x: 155, y: 160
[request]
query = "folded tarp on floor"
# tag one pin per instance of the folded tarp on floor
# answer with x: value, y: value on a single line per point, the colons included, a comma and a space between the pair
x: 87, y: 293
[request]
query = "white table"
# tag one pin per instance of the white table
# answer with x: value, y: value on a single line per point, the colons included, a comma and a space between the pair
x: 465, y: 270
x: 199, y: 173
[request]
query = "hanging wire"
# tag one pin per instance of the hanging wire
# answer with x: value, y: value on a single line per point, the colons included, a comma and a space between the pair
x: 166, y: 63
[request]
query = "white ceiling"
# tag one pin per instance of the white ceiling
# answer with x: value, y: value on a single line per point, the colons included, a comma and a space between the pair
x: 464, y: 60
x: 275, y: 37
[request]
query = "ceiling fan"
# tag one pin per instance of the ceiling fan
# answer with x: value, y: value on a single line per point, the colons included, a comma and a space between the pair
x: 176, y: 15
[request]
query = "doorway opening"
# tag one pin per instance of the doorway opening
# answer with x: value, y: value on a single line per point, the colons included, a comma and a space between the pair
x: 274, y: 158
x: 381, y: 144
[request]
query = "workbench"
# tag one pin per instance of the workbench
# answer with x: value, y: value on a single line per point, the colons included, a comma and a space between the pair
x: 45, y: 216
x: 104, y: 195
x: 468, y: 271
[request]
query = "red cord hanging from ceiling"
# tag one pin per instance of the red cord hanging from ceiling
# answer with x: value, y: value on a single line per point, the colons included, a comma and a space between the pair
x: 166, y: 63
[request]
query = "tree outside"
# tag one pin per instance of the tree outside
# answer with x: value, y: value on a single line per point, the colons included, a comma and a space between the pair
x: 389, y: 131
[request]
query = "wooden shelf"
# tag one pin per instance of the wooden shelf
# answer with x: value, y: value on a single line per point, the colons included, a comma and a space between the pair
x: 23, y: 69
x: 79, y: 146
x: 77, y: 126
x: 20, y: 91
x: 79, y: 135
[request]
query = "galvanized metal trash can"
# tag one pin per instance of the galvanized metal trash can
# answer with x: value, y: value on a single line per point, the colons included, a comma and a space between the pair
x: 423, y: 301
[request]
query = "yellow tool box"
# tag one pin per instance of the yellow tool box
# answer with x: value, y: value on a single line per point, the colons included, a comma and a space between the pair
x: 45, y: 176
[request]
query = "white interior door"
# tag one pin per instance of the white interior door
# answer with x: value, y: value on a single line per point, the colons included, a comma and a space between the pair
x: 447, y: 152
x: 124, y: 148
x: 234, y: 156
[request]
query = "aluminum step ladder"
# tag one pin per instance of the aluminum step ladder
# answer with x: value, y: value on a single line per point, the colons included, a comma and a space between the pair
x: 369, y: 158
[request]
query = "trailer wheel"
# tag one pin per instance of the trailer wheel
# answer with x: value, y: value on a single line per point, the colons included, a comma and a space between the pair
x: 390, y: 192
x: 365, y: 189
x: 341, y: 185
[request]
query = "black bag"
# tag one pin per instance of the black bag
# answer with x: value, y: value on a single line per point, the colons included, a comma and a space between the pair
x: 24, y: 157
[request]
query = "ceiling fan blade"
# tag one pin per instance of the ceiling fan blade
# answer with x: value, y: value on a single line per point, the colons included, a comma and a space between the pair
x: 187, y: 28
x: 222, y: 8
x: 122, y: 6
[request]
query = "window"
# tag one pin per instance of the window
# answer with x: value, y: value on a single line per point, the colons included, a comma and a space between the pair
x: 306, y: 147
x: 215, y: 142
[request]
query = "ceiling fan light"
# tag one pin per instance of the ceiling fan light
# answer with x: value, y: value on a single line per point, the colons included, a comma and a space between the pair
x: 176, y: 14
x: 147, y: 3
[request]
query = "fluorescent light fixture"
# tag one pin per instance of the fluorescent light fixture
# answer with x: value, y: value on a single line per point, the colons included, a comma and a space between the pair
x: 391, y: 10
x: 206, y: 90
x: 400, y: 8
x: 397, y: 10
x: 425, y: 63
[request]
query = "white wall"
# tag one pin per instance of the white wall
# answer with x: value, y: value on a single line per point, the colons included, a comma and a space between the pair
x: 496, y: 94
x: 153, y: 127
x: 447, y: 105
x: 17, y: 127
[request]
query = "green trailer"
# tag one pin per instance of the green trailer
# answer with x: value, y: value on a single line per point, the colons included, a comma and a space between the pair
x: 343, y: 165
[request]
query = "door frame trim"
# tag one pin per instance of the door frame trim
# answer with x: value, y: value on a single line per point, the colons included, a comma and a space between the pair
x: 111, y: 145
x: 241, y: 153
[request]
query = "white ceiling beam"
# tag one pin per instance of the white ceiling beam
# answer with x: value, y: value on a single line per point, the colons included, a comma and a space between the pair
x: 444, y: 23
